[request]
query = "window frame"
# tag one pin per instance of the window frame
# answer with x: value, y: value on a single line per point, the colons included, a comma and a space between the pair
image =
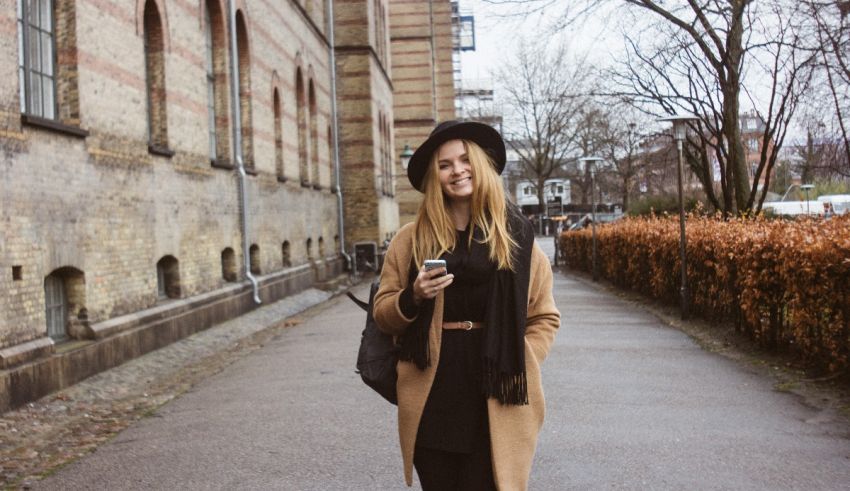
x: 26, y: 90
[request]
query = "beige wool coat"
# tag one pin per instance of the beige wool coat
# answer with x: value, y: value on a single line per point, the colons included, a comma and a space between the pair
x: 513, y: 429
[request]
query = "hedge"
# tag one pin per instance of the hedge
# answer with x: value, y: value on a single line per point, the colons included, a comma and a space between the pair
x: 784, y: 283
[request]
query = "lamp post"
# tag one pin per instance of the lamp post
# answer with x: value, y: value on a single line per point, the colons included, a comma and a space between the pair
x: 405, y: 156
x: 787, y: 191
x: 680, y: 129
x: 589, y: 164
x: 806, y: 188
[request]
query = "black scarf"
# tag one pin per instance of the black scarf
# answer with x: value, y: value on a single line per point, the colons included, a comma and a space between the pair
x: 504, y: 333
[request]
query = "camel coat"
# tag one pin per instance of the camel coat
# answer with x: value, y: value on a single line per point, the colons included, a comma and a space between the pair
x: 513, y: 429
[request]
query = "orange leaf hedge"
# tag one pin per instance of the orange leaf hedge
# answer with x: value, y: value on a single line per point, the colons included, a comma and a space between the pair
x: 785, y: 283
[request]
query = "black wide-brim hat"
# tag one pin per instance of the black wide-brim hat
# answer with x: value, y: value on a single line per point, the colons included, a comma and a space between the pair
x: 483, y: 135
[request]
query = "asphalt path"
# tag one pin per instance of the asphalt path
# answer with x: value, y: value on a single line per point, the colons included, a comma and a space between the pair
x: 631, y: 404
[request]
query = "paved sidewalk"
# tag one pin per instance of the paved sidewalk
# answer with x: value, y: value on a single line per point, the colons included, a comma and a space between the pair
x: 632, y: 404
x: 68, y: 424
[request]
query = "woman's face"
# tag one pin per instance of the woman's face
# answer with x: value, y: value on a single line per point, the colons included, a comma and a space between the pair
x: 455, y: 171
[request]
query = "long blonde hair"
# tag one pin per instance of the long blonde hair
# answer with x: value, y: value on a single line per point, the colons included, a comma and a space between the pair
x: 434, y: 229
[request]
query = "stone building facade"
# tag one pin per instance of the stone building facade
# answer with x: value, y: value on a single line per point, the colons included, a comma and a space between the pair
x: 120, y: 226
x: 365, y: 97
x: 421, y: 42
x: 122, y: 131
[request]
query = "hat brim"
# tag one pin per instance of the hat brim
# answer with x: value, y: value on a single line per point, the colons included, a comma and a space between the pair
x: 483, y: 135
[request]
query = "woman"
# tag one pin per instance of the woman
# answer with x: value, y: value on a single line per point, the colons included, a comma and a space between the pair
x: 472, y: 335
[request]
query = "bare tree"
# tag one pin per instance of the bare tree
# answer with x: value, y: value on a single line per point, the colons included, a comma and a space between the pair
x: 544, y: 93
x: 706, y: 58
x: 831, y: 25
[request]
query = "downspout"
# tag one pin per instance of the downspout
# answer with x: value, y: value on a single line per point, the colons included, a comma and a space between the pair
x: 434, y: 70
x: 237, y: 149
x: 335, y: 135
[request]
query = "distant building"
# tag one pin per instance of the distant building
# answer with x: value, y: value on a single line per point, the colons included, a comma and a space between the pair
x: 753, y: 140
x: 556, y: 194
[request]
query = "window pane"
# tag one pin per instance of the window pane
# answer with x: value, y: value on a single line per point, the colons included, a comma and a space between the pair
x: 35, y: 95
x: 34, y: 51
x: 32, y: 11
x: 48, y: 97
x: 47, y: 53
x: 46, y: 15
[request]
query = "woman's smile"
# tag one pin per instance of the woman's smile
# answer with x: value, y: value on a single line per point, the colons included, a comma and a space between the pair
x: 455, y: 170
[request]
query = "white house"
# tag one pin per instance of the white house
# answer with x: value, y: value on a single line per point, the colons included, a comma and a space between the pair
x: 556, y: 193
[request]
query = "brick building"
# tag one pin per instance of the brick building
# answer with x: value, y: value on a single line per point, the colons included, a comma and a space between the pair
x: 121, y: 223
x: 365, y: 95
x: 422, y: 46
x: 121, y: 211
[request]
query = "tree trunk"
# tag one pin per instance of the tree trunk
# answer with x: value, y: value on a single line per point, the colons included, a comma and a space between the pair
x: 625, y: 194
x: 541, y: 199
x: 737, y: 164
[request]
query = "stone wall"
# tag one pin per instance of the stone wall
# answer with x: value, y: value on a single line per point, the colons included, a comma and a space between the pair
x: 90, y: 195
x: 365, y: 96
x: 421, y: 44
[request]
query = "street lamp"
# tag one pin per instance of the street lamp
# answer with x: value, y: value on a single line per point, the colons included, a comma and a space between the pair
x: 405, y: 156
x: 589, y: 164
x: 787, y: 191
x: 806, y: 188
x: 680, y: 129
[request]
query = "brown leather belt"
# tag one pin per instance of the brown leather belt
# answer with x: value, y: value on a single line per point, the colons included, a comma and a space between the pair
x: 464, y: 325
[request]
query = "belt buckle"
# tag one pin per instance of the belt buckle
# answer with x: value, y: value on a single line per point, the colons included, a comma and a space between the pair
x: 468, y: 325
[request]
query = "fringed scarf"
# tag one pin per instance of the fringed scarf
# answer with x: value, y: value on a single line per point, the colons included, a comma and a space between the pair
x: 504, y: 332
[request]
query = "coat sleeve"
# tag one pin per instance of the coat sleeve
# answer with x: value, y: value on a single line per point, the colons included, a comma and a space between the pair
x: 386, y: 311
x: 543, y: 316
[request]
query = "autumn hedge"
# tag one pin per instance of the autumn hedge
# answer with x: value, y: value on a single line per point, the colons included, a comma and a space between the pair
x: 785, y: 283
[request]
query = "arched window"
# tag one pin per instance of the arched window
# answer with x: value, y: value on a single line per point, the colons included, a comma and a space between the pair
x: 228, y: 265
x: 301, y: 115
x: 286, y: 255
x: 244, y: 90
x: 168, y: 277
x: 155, y: 77
x: 48, y: 82
x: 56, y: 307
x: 309, y: 249
x: 36, y: 55
x: 278, y: 133
x: 64, y: 304
x: 254, y: 258
x: 321, y: 248
x: 314, y: 134
x: 216, y: 69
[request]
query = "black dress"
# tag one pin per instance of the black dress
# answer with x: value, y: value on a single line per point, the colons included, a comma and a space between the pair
x: 455, y: 414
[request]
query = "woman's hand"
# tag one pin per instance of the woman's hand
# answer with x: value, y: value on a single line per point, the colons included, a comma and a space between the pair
x: 429, y: 283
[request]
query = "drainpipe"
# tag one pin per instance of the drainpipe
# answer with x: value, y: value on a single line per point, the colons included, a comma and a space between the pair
x: 433, y: 60
x: 335, y: 116
x: 237, y: 149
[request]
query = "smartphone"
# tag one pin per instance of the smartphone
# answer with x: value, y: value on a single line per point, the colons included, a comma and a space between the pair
x: 434, y: 264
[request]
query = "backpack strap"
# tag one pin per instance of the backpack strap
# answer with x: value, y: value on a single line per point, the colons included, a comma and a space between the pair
x: 360, y: 303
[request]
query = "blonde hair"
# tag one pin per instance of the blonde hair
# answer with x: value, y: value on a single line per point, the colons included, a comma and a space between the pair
x: 434, y: 229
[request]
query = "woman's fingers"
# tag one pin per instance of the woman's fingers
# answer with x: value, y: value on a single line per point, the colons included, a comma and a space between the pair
x: 428, y: 283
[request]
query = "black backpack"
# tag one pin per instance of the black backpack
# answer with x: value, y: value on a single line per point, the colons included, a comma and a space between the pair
x: 378, y: 355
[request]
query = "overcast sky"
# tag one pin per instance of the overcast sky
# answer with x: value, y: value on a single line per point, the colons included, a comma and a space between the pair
x: 498, y: 32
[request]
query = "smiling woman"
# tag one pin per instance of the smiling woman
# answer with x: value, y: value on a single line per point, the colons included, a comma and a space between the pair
x: 472, y: 334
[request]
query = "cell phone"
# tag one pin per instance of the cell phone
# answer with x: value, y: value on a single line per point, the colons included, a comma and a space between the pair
x: 434, y: 264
